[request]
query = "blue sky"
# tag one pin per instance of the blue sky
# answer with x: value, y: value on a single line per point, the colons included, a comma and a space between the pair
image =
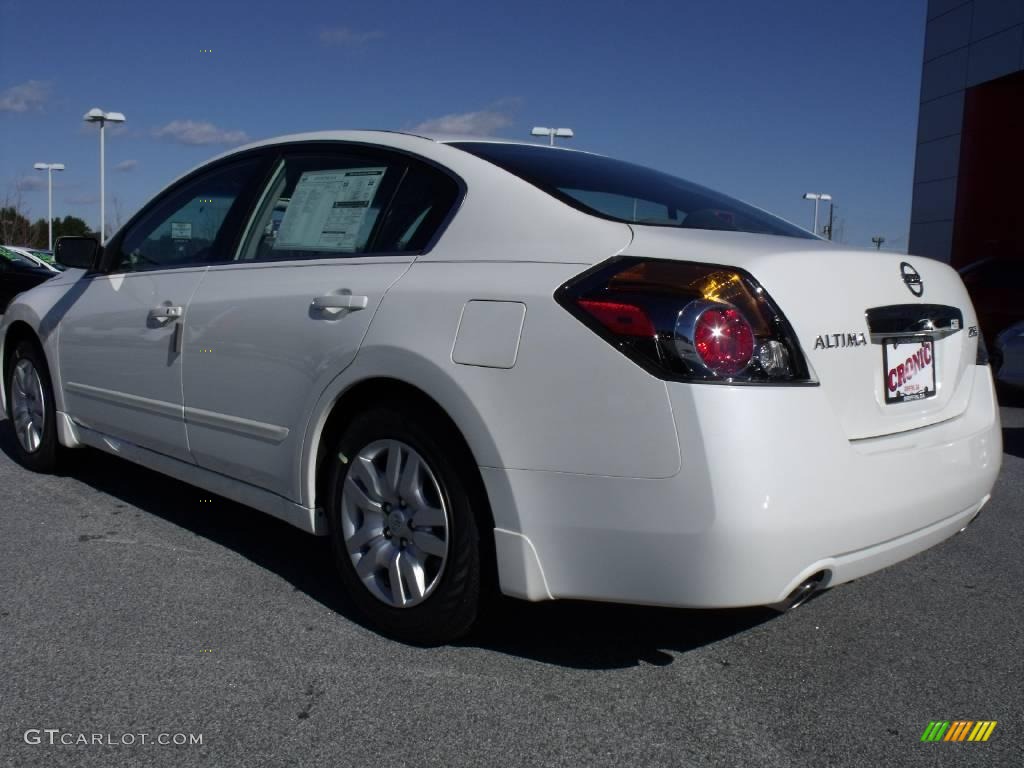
x: 762, y: 100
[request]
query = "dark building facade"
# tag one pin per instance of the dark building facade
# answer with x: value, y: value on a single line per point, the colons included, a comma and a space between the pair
x: 969, y: 169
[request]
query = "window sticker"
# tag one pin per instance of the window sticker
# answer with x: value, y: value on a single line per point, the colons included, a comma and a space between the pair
x: 327, y: 210
x: 181, y: 230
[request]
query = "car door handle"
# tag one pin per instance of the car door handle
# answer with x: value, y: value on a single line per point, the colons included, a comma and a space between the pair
x: 166, y: 313
x: 341, y: 301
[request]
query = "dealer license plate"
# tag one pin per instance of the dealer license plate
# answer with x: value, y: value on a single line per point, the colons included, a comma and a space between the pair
x: 908, y: 366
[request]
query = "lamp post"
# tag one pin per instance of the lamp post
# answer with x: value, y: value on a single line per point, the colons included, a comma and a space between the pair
x: 49, y: 168
x: 562, y: 133
x: 97, y: 115
x: 817, y: 197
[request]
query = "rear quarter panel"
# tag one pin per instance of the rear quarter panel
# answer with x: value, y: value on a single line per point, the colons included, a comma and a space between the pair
x: 571, y: 403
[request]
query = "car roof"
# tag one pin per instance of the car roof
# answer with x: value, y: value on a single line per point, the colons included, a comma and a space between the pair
x: 431, y: 146
x: 420, y: 142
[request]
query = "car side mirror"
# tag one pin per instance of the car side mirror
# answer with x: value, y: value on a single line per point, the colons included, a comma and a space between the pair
x: 77, y: 252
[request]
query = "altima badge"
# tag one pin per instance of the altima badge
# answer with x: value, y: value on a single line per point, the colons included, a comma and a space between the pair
x: 834, y: 340
x: 912, y: 279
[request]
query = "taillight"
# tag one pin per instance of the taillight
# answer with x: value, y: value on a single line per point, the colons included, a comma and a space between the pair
x: 686, y: 321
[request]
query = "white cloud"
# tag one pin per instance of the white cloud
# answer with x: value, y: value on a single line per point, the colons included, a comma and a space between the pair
x: 485, y: 122
x: 346, y: 36
x: 196, y: 133
x: 25, y: 97
x: 126, y: 165
x: 31, y: 183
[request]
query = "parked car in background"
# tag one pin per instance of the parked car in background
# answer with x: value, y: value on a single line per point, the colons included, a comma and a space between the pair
x: 996, y: 286
x: 40, y: 257
x: 477, y: 363
x: 18, y: 273
x: 1008, y: 353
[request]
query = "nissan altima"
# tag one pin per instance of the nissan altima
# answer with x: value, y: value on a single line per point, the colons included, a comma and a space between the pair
x: 480, y: 365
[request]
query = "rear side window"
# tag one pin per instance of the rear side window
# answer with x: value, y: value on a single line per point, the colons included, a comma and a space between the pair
x: 335, y: 205
x: 422, y: 204
x: 613, y: 189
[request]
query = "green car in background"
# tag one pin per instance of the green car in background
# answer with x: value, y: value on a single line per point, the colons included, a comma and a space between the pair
x: 39, y: 256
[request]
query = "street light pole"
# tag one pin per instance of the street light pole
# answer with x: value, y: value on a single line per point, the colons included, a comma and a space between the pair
x: 562, y: 133
x: 102, y: 182
x: 49, y: 168
x: 97, y: 115
x: 817, y: 197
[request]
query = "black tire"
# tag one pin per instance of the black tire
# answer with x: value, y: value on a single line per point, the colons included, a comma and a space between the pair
x: 451, y: 608
x: 44, y: 458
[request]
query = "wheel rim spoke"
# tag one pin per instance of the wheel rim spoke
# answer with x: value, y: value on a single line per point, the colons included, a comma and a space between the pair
x: 364, y: 470
x: 412, y: 575
x: 429, y: 543
x: 360, y: 498
x: 370, y: 562
x: 429, y: 517
x: 364, y: 536
x: 394, y: 522
x: 408, y: 485
x: 393, y: 470
x: 395, y: 579
x: 20, y: 376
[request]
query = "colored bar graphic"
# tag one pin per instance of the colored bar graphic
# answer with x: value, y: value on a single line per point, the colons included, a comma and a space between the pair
x: 959, y: 730
x: 935, y: 730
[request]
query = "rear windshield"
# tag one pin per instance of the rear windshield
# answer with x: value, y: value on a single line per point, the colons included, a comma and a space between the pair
x: 625, y: 192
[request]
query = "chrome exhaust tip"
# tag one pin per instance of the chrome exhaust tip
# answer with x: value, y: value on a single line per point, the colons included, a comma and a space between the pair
x: 804, y: 592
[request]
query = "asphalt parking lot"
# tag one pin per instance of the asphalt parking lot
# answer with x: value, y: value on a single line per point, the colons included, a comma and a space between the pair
x: 135, y: 604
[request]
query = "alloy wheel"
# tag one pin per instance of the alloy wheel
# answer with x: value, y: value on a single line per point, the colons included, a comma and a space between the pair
x: 28, y: 405
x: 395, y: 523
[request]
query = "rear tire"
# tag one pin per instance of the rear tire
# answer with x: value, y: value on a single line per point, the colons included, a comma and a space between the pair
x: 403, y: 528
x: 31, y: 408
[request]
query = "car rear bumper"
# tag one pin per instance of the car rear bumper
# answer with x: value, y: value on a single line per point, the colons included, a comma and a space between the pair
x: 770, y: 493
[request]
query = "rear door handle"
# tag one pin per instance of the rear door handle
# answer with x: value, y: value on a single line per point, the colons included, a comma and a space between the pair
x: 166, y: 313
x: 341, y: 301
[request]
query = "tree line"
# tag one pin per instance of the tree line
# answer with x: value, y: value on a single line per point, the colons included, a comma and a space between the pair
x: 17, y: 229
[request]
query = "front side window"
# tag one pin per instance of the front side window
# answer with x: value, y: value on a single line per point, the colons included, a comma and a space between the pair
x: 194, y: 223
x: 621, y: 191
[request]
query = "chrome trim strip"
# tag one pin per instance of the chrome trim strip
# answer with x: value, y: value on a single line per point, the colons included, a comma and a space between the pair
x: 159, y: 407
x: 936, y: 321
x: 236, y: 424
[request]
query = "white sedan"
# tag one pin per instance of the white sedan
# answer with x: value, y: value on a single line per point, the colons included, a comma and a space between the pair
x: 480, y: 364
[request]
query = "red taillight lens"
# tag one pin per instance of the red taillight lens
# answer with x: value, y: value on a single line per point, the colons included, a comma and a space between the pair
x: 688, y: 321
x: 622, y: 319
x: 723, y: 340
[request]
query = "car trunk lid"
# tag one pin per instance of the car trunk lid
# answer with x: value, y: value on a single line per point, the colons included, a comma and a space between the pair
x: 890, y: 338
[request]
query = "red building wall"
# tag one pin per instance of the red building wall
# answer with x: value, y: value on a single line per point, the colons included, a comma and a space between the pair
x: 989, y: 219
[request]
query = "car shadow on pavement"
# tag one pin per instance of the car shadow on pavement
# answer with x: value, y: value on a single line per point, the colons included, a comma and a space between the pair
x: 565, y: 633
x: 604, y: 635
